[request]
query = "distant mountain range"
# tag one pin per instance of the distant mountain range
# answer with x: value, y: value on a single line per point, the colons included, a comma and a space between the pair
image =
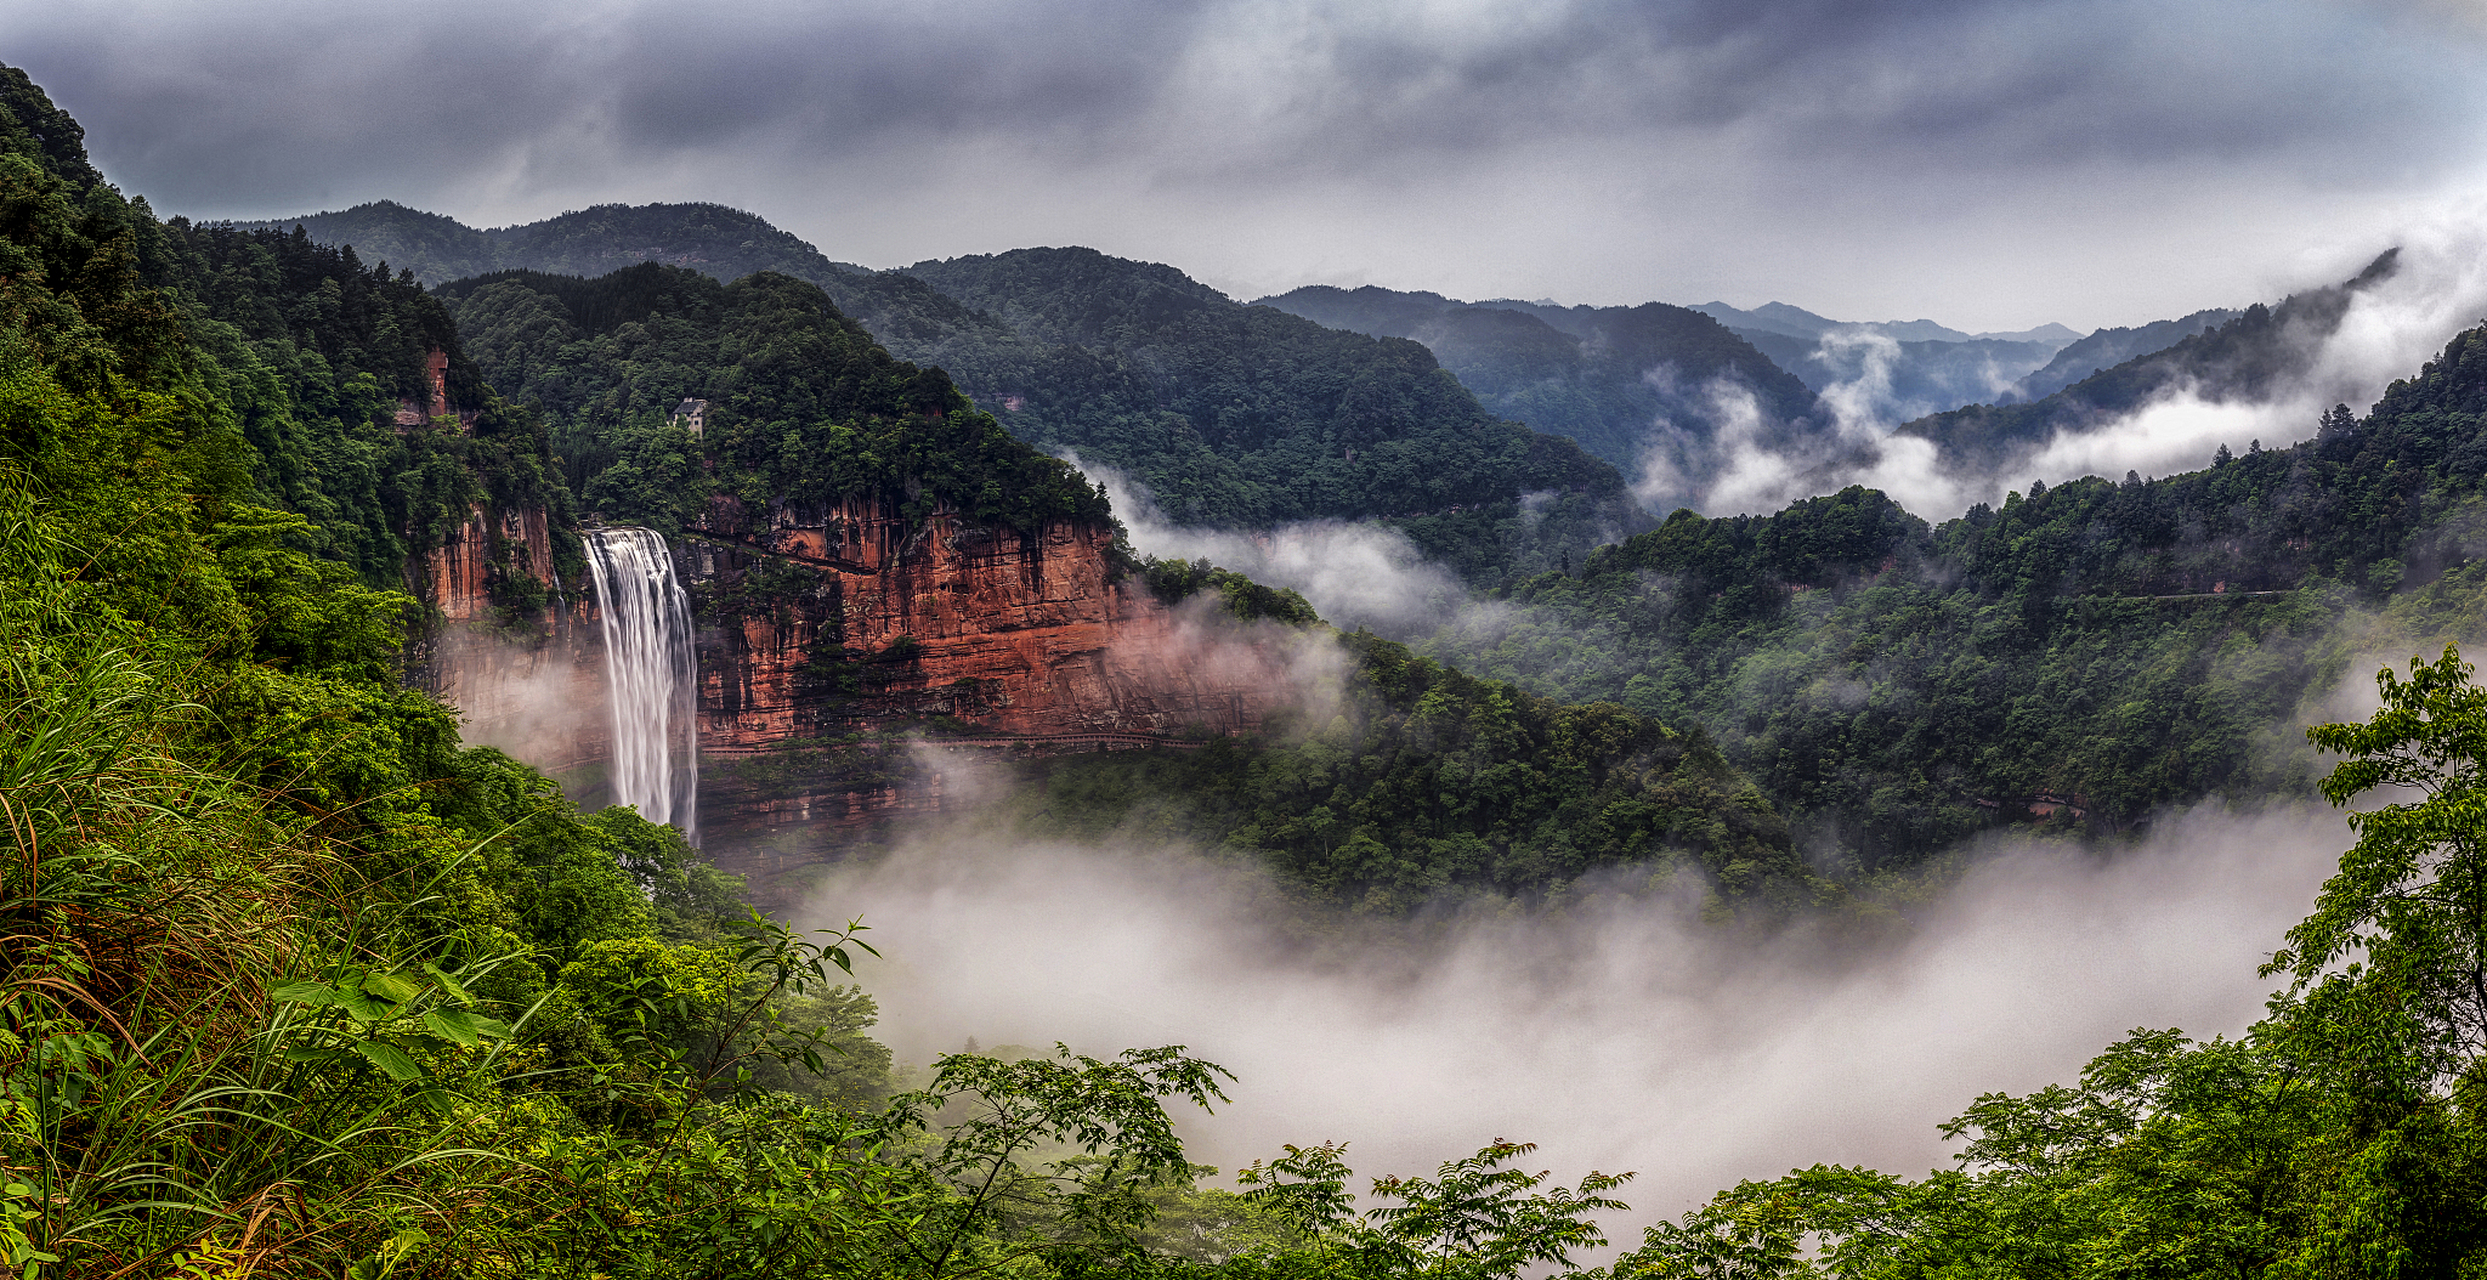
x: 2248, y: 357
x: 1248, y: 415
x: 2107, y: 348
x: 1235, y: 416
x: 1651, y: 388
x: 1796, y: 322
x: 1890, y: 371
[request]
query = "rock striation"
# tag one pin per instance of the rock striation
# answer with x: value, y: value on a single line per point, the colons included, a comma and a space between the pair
x: 819, y: 623
x: 825, y: 620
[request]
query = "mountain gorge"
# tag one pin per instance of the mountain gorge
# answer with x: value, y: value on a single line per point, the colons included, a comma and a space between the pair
x: 1649, y: 388
x: 341, y: 938
x: 2255, y: 356
x: 1226, y: 415
x: 1897, y: 370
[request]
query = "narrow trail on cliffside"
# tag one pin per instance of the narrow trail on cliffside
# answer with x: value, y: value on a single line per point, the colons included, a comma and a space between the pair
x: 651, y: 675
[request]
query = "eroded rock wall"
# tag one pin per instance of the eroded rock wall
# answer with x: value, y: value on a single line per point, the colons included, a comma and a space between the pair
x: 817, y: 623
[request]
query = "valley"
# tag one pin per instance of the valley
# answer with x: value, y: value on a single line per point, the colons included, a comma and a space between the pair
x: 529, y: 750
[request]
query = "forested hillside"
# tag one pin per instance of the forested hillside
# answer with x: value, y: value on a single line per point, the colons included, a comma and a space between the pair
x: 726, y: 243
x: 2245, y: 359
x: 1623, y: 381
x: 292, y: 983
x: 2104, y: 349
x: 1243, y: 417
x: 1231, y: 418
x: 803, y: 405
x: 2096, y: 650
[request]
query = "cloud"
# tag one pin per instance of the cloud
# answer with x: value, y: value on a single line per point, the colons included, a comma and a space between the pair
x: 2390, y: 330
x: 1619, y: 1032
x: 1354, y: 575
x: 1997, y: 163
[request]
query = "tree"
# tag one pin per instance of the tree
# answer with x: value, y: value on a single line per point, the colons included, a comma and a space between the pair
x: 2393, y: 961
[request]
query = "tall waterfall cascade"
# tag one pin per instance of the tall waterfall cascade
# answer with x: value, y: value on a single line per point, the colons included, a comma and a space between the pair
x: 652, y: 673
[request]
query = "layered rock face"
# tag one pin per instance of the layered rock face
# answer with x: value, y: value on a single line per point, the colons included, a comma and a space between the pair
x: 819, y: 621
x: 815, y: 623
x: 455, y: 577
x: 529, y: 680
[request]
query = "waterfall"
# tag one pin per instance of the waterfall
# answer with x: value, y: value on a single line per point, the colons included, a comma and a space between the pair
x: 652, y: 673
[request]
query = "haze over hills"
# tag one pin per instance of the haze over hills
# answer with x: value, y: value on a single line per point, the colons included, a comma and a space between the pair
x: 2253, y: 356
x: 1796, y: 322
x: 300, y: 982
x: 1656, y: 389
x: 2106, y: 348
x: 1225, y: 414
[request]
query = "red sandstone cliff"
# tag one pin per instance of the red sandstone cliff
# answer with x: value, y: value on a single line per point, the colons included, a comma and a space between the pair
x: 816, y: 623
x: 455, y: 577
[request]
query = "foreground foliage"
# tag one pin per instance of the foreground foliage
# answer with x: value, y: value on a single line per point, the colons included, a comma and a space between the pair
x: 2341, y: 1136
x: 291, y: 983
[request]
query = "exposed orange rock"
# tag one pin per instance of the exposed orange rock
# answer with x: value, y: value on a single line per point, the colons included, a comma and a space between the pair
x: 1016, y: 633
x: 455, y: 577
x: 817, y: 623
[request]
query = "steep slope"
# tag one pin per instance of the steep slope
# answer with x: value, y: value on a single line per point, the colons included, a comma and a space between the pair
x: 1230, y: 419
x: 1623, y: 381
x: 870, y: 557
x: 2104, y: 349
x: 2244, y: 359
x: 2090, y: 652
x: 1240, y: 415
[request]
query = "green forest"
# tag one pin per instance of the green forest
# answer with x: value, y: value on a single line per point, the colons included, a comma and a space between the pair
x: 294, y: 983
x: 2123, y: 645
x: 1228, y: 414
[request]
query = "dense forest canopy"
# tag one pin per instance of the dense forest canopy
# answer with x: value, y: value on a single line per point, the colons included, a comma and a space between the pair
x: 803, y: 405
x: 2118, y: 645
x: 1583, y: 372
x: 1229, y: 416
x: 292, y: 982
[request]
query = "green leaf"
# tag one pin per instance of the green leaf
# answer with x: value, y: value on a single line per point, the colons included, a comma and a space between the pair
x: 455, y: 1025
x: 449, y: 984
x: 389, y: 1058
x: 391, y: 987
x: 303, y: 993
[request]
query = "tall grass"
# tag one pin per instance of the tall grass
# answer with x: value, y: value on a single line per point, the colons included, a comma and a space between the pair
x: 158, y: 1104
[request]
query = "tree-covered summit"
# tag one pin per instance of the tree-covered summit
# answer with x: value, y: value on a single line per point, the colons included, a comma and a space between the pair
x: 1620, y: 380
x: 1229, y: 418
x: 1236, y: 415
x: 802, y: 404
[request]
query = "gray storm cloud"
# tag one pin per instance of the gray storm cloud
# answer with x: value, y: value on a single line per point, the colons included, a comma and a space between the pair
x: 1619, y: 1032
x: 1971, y: 158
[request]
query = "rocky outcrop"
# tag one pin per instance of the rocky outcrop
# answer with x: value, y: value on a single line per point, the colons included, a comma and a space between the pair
x: 819, y: 623
x: 526, y: 677
x: 816, y: 622
x: 456, y: 578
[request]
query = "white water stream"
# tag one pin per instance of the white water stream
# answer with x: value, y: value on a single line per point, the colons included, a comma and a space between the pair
x: 652, y: 674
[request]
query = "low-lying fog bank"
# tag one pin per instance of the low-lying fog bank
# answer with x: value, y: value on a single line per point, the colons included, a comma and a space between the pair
x: 1622, y: 1034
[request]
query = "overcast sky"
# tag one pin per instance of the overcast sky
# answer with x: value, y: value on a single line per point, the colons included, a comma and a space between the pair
x: 1992, y: 164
